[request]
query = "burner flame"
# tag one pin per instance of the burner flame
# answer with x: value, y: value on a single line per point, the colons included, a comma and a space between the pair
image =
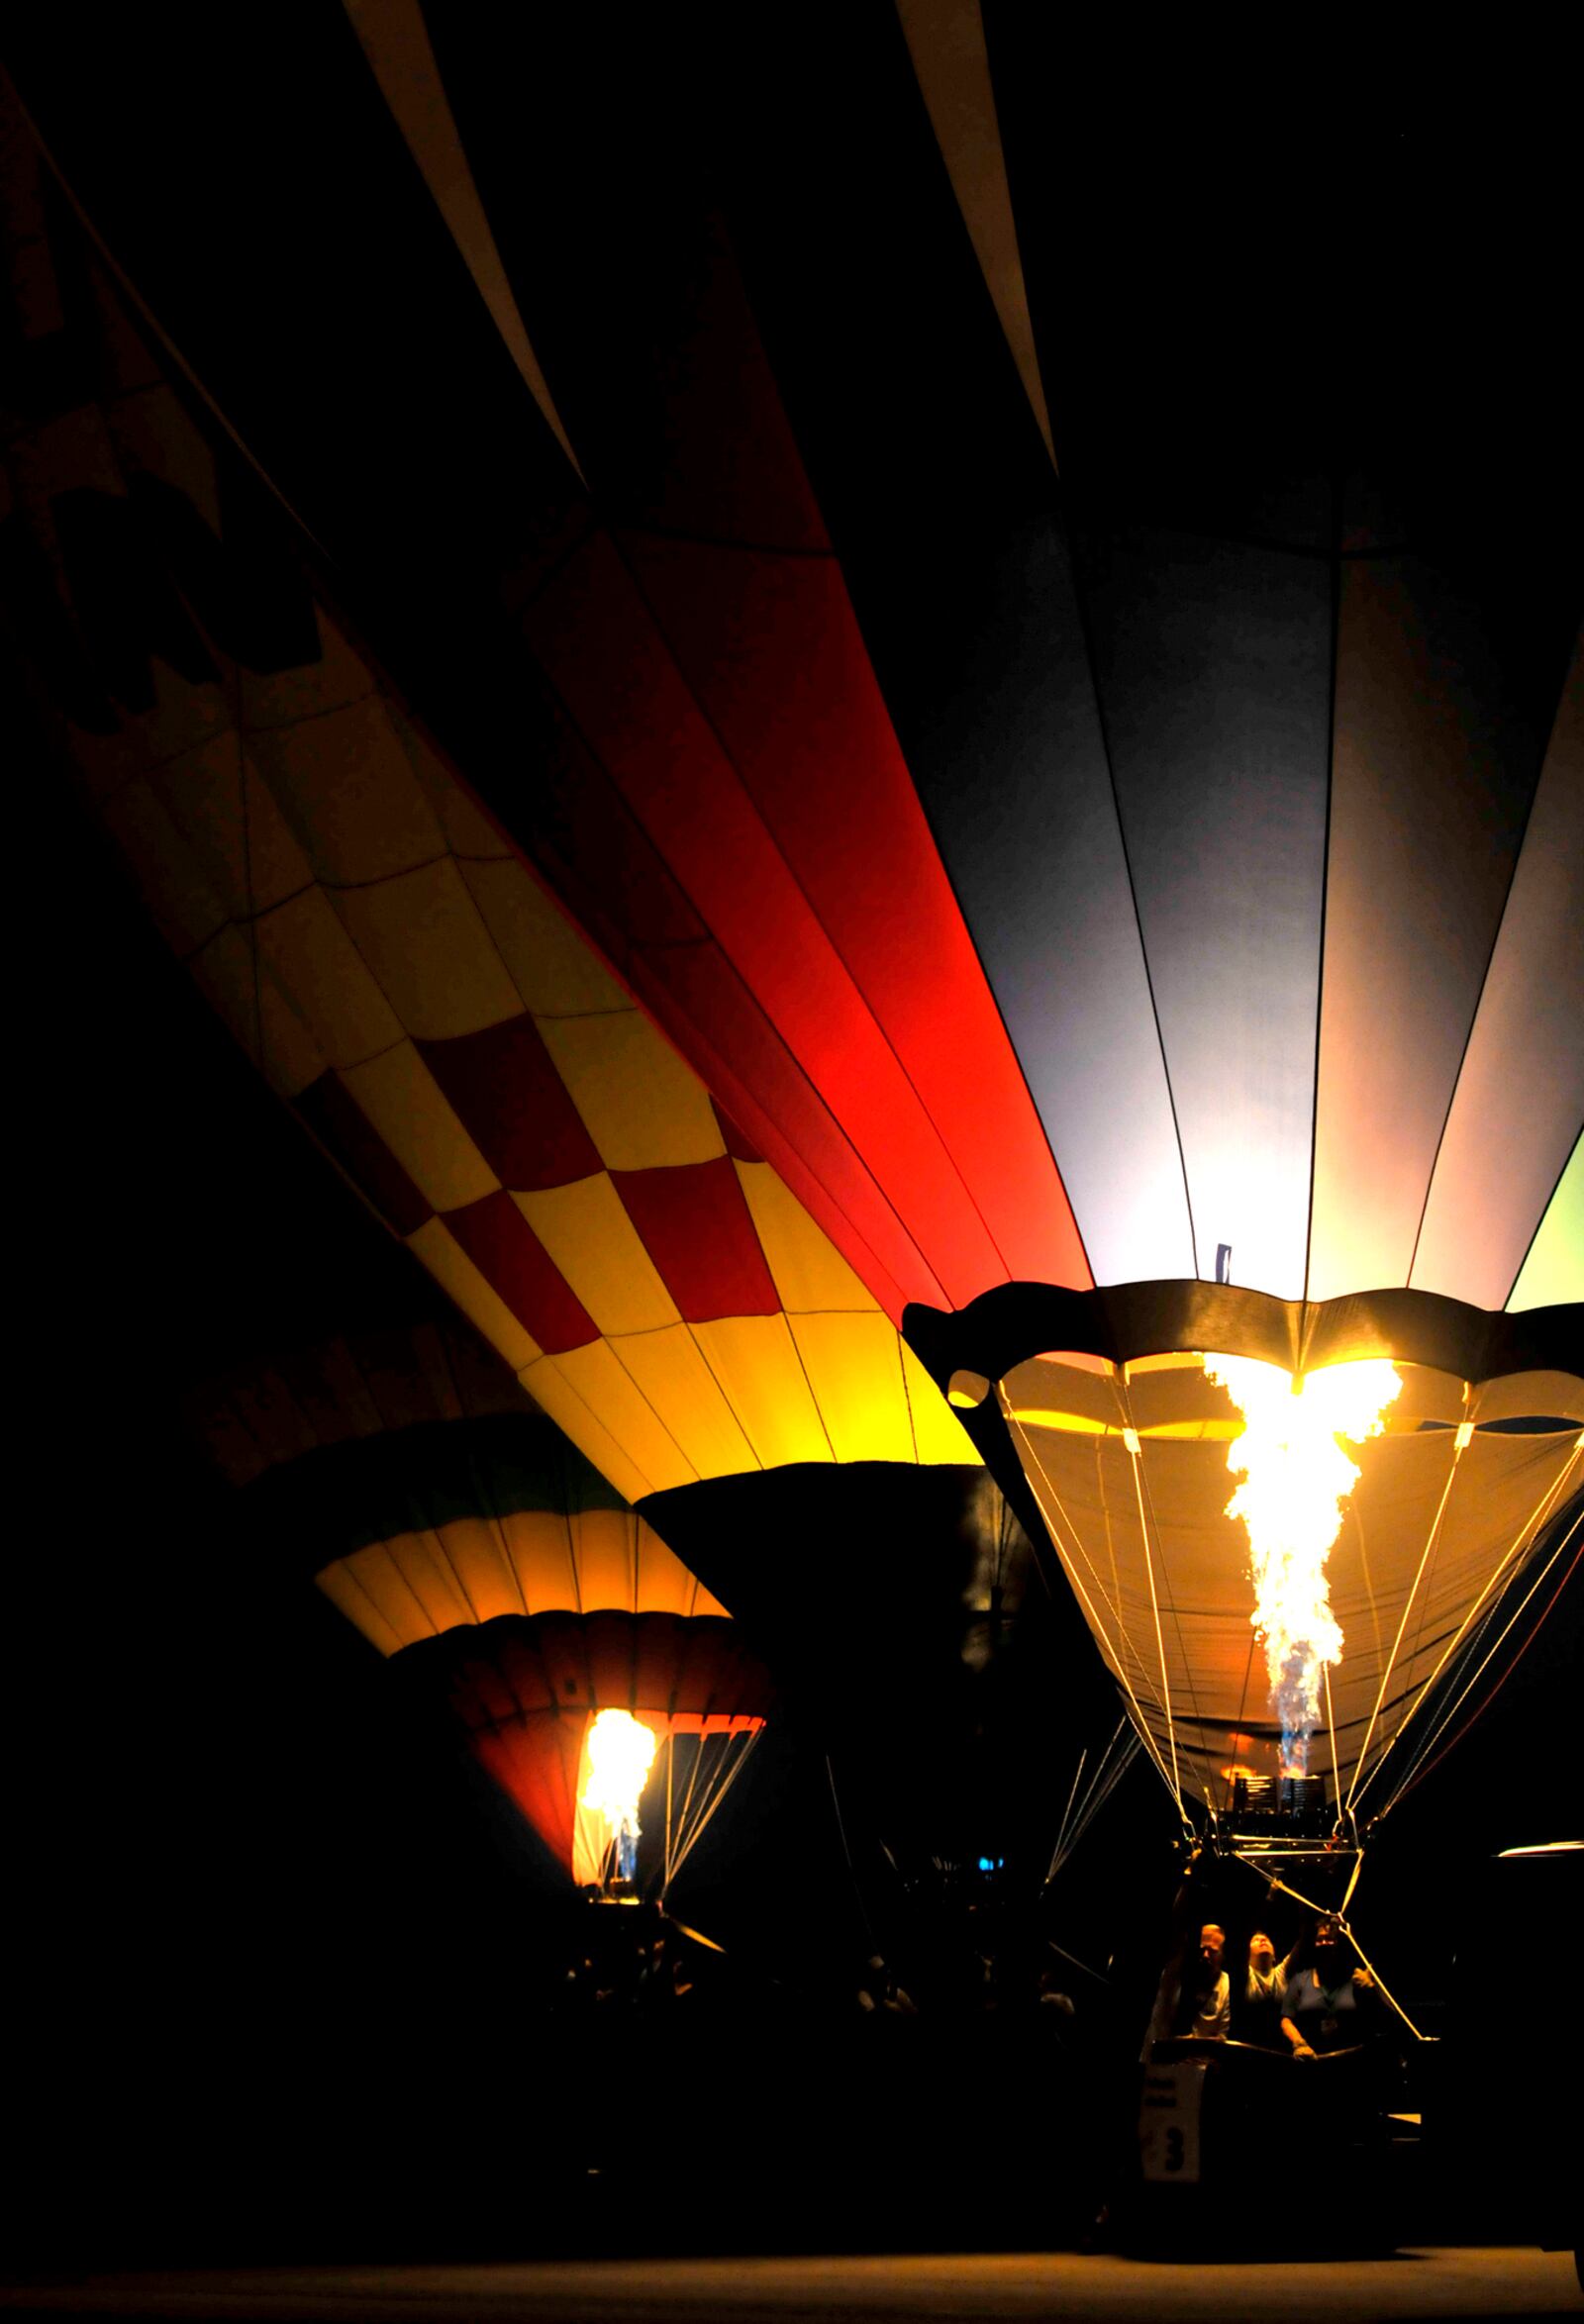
x: 1297, y: 1480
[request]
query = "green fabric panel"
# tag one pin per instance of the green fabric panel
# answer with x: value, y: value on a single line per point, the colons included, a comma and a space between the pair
x: 1553, y: 1272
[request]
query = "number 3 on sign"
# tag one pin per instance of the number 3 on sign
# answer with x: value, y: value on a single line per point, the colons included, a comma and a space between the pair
x: 1168, y: 2121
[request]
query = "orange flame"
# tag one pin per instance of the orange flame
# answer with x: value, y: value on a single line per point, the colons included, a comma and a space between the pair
x: 1295, y: 1483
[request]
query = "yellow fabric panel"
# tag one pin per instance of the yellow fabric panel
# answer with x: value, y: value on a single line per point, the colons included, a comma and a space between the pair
x: 352, y: 1600
x: 598, y: 1250
x: 683, y: 1390
x: 566, y: 1405
x: 281, y: 696
x: 555, y: 970
x: 855, y: 1367
x: 424, y: 1565
x: 169, y: 876
x: 249, y: 1001
x: 542, y: 1554
x: 705, y: 1603
x: 475, y: 1548
x: 808, y: 1271
x: 404, y: 1102
x: 349, y: 789
x: 150, y: 431
x: 455, y: 1272
x: 650, y: 1460
x: 1526, y: 1393
x: 373, y: 1578
x: 1051, y: 1384
x: 468, y: 828
x: 422, y: 937
x: 605, y: 1552
x: 227, y: 814
x: 757, y: 1364
x: 938, y: 1434
x: 664, y: 1585
x: 317, y: 961
x: 1200, y: 1558
x: 643, y: 1108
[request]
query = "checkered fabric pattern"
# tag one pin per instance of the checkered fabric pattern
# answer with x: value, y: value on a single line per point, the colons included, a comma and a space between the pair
x: 399, y: 975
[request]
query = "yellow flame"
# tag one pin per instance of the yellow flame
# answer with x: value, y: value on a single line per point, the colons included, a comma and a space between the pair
x: 1296, y: 1482
x: 621, y: 1752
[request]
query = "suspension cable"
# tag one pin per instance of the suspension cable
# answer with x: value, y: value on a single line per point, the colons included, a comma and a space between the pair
x: 1418, y: 1769
x: 1498, y: 1577
x: 1130, y: 1440
x: 1325, y: 1912
x: 1431, y: 1538
x: 1076, y: 1579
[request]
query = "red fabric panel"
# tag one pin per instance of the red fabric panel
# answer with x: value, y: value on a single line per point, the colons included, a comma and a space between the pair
x: 515, y: 1263
x: 696, y: 1228
x: 513, y: 1105
x: 741, y: 1148
x: 612, y: 1657
x: 770, y: 649
x: 609, y: 876
x: 560, y: 1643
x: 402, y: 1395
x: 656, y: 1662
x: 344, y: 1130
x: 695, y: 994
x: 604, y: 653
x: 535, y: 1761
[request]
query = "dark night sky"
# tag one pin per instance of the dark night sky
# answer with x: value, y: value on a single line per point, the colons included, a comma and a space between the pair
x: 254, y: 1915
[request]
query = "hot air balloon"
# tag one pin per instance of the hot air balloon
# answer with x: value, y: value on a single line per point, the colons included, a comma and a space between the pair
x: 1141, y: 894
x: 469, y: 1542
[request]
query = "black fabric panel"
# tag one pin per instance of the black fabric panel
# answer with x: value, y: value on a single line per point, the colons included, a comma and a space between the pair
x: 492, y: 1671
x: 1005, y: 1326
x: 342, y: 1497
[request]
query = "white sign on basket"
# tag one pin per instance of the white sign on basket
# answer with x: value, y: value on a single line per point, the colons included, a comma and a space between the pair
x: 1168, y: 2121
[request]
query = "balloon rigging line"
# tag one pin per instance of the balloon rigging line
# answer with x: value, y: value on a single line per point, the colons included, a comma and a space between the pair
x: 1502, y: 1571
x: 1242, y: 1702
x: 1324, y: 1912
x: 842, y: 1830
x: 1155, y: 1607
x: 1076, y: 1579
x: 725, y: 1778
x: 1443, y: 1722
x: 1119, y: 1389
x: 1099, y: 1976
x: 1331, y: 1725
x: 1102, y: 1784
x: 1461, y: 1656
x: 1061, y: 1828
x: 670, y: 1771
x: 1408, y: 1608
x: 1113, y: 1609
x: 1334, y: 591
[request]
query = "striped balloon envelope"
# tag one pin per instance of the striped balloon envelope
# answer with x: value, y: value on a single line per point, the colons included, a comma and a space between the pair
x: 469, y: 1542
x: 1083, y: 766
x: 403, y: 980
x: 1163, y: 869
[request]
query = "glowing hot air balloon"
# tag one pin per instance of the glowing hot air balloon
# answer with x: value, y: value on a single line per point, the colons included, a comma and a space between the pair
x: 469, y: 1542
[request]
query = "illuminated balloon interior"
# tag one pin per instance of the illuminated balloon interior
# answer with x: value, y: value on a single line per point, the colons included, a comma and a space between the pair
x: 1297, y: 1479
x: 620, y: 1751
